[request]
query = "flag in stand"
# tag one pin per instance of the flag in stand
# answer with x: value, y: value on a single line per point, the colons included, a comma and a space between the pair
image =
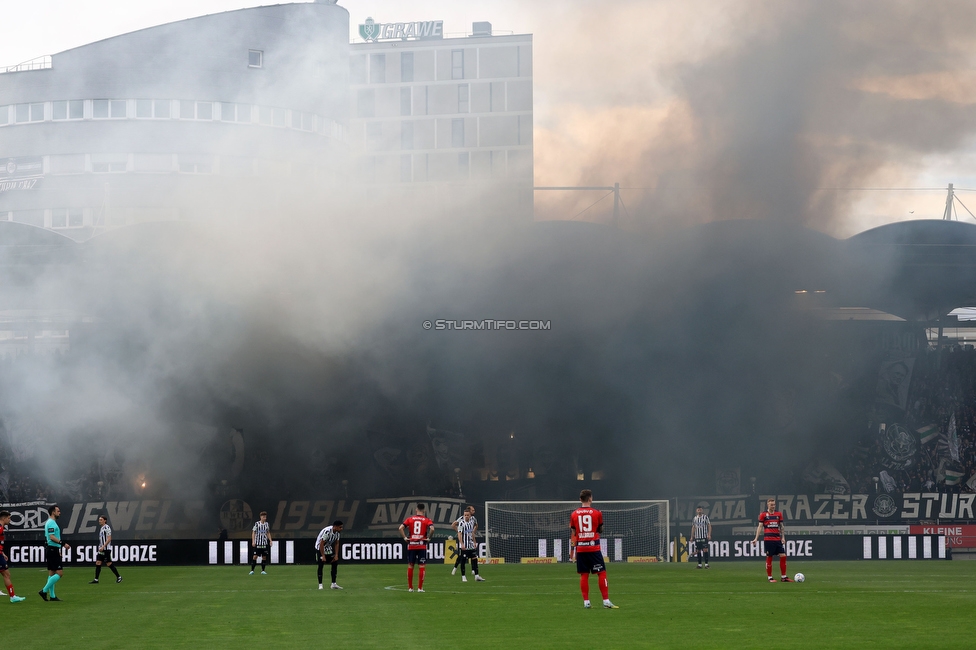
x: 927, y: 433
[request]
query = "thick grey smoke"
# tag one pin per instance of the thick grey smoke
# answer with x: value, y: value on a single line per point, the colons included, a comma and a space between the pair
x: 750, y: 110
x: 668, y: 357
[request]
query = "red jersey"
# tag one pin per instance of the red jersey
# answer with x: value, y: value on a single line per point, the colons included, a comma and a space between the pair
x: 586, y: 522
x: 416, y: 528
x: 772, y: 523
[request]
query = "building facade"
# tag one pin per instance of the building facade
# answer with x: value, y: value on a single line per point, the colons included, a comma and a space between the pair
x: 444, y: 117
x: 176, y: 121
x: 228, y: 113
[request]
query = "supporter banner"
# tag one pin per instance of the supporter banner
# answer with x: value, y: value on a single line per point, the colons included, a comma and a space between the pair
x: 821, y: 509
x: 826, y: 547
x: 168, y: 552
x: 171, y: 519
x: 28, y: 516
x: 375, y: 551
x: 388, y: 514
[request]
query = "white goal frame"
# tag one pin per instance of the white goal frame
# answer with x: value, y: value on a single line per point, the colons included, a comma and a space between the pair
x: 556, y: 508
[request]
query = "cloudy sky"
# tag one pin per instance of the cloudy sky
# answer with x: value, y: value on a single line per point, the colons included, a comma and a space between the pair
x: 707, y: 109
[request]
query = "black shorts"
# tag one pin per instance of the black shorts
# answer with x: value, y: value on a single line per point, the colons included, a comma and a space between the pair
x: 329, y: 558
x: 3, y: 563
x: 417, y: 557
x: 104, y: 556
x: 701, y: 544
x: 590, y: 562
x: 774, y: 548
x: 262, y: 551
x: 469, y: 553
x: 54, y: 558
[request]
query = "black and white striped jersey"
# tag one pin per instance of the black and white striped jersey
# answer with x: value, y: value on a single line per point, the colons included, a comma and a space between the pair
x: 465, y: 531
x: 260, y: 530
x: 103, y: 537
x: 700, y: 526
x: 330, y: 537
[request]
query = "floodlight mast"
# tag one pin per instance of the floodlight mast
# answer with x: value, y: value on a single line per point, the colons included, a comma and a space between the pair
x: 947, y: 215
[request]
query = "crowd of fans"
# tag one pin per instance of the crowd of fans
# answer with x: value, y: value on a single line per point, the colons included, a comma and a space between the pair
x: 940, y: 418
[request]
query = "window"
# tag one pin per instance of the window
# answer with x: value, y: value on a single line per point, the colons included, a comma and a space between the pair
x: 405, y: 100
x: 374, y: 133
x: 204, y: 110
x: 278, y: 117
x: 100, y: 108
x: 406, y: 169
x: 118, y: 107
x: 457, y: 132
x: 308, y: 122
x: 464, y: 98
x: 187, y: 110
x: 32, y: 217
x: 161, y: 109
x: 196, y: 165
x: 29, y: 113
x: 264, y: 114
x: 377, y: 68
x: 244, y: 113
x: 59, y: 110
x: 255, y: 58
x: 406, y: 66
x: 76, y: 109
x: 65, y: 218
x: 406, y: 136
x: 144, y: 108
x: 4, y: 118
x: 228, y: 112
x: 366, y: 103
x: 296, y: 119
x: 463, y: 165
x: 109, y: 164
x: 457, y: 64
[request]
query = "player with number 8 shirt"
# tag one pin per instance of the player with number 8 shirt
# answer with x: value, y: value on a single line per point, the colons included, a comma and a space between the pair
x: 586, y: 523
x: 416, y: 531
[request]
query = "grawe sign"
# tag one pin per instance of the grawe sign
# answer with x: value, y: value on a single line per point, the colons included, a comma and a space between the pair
x: 373, y: 31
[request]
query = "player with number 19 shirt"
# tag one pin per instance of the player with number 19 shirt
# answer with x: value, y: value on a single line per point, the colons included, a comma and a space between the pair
x: 416, y: 531
x: 584, y: 542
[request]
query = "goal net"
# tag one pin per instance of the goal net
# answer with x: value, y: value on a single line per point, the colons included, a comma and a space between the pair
x: 633, y: 531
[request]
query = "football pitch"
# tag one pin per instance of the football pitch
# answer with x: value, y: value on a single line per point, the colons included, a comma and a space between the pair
x: 841, y: 604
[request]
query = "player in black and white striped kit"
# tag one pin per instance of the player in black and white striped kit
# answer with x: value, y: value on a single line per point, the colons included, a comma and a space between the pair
x: 327, y: 549
x: 104, y: 550
x: 467, y: 530
x: 261, y: 541
x: 701, y: 535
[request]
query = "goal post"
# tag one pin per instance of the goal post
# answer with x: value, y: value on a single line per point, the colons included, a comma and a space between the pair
x: 528, y: 531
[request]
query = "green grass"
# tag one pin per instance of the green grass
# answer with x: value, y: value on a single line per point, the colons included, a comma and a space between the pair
x: 842, y: 604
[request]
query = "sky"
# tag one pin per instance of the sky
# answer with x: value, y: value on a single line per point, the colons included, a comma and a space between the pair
x: 703, y: 109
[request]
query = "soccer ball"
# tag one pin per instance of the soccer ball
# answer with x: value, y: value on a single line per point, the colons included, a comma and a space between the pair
x: 799, y: 577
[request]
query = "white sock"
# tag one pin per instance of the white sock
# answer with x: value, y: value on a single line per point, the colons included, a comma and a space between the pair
x: 586, y: 602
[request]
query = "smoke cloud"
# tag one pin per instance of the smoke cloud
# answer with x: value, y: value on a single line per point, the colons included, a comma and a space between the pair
x: 670, y: 354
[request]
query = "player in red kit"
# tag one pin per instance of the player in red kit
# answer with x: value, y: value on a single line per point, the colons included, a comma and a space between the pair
x: 416, y: 531
x: 4, y: 570
x: 584, y: 543
x: 771, y: 527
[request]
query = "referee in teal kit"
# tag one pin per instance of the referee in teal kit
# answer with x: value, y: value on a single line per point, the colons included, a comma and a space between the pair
x: 52, y: 535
